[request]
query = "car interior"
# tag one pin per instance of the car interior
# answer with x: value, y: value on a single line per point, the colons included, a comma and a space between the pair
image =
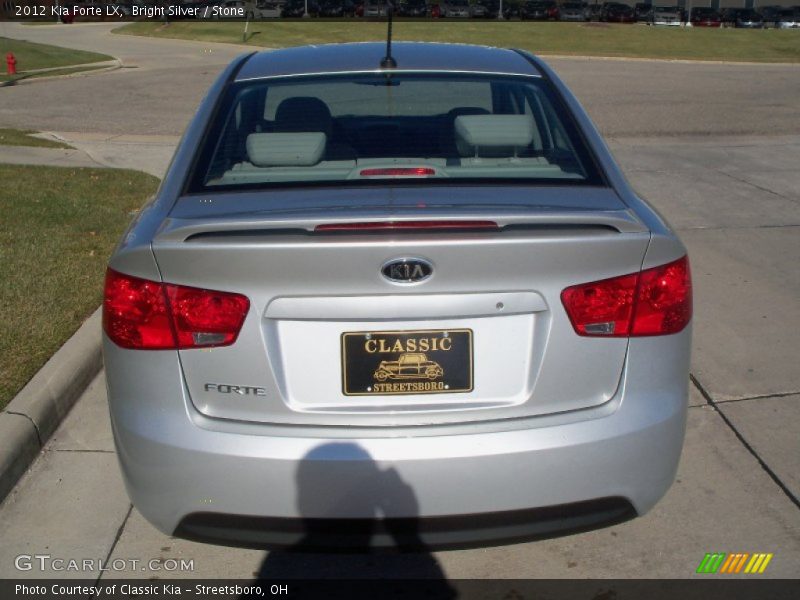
x: 515, y: 134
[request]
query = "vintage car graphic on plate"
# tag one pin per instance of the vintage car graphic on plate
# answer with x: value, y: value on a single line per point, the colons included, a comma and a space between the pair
x: 409, y: 366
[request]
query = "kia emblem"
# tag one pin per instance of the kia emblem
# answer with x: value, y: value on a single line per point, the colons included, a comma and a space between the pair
x: 407, y: 270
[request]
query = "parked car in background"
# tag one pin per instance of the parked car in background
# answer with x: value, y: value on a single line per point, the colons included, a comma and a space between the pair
x: 619, y: 13
x: 665, y: 15
x: 375, y: 8
x: 456, y: 9
x: 268, y: 10
x: 745, y: 18
x: 552, y: 9
x: 490, y: 9
x: 728, y: 16
x: 748, y: 18
x: 601, y: 13
x: 606, y: 7
x: 594, y: 9
x: 641, y: 12
x: 788, y: 18
x: 336, y: 8
x: 397, y: 307
x: 703, y: 16
x: 769, y: 15
x: 294, y: 9
x: 412, y: 8
x: 511, y: 10
x: 573, y: 11
x: 539, y: 10
x: 477, y: 11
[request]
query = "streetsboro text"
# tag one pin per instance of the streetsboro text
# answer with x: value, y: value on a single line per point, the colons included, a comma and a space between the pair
x: 150, y: 589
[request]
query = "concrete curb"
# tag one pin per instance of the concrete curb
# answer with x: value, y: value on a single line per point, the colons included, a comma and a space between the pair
x: 87, y: 72
x: 36, y: 412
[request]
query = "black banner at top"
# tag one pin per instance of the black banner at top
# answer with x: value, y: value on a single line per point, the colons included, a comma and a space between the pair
x: 69, y: 11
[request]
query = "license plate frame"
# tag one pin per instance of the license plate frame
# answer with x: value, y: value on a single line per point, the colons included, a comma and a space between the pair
x: 404, y: 362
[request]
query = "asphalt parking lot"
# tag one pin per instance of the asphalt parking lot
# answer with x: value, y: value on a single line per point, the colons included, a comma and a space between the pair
x: 714, y: 147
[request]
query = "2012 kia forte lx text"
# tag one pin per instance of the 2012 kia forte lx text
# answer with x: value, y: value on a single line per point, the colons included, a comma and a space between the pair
x: 415, y: 292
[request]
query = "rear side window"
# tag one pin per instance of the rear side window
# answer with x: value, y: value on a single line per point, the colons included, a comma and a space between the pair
x: 445, y: 128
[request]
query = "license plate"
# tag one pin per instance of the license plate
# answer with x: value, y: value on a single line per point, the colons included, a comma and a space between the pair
x: 386, y: 363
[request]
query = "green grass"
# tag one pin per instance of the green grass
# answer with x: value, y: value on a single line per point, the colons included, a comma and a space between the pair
x: 22, y: 137
x: 31, y: 56
x: 58, y: 227
x: 590, y: 39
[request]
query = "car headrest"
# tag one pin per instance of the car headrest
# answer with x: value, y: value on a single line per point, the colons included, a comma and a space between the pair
x: 484, y: 131
x: 303, y: 113
x: 285, y: 149
x: 467, y: 110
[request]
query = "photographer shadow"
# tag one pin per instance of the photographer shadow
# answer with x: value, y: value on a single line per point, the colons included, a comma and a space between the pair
x: 358, y: 523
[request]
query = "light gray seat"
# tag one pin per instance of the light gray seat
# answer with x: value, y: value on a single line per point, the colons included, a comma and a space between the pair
x: 285, y: 149
x: 494, y: 135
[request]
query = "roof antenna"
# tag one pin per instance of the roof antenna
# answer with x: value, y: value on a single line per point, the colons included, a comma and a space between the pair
x: 388, y: 62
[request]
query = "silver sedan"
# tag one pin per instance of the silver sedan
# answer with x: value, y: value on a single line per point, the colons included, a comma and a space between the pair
x: 415, y: 291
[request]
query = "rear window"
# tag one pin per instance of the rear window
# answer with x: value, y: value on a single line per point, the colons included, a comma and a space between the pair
x: 362, y: 128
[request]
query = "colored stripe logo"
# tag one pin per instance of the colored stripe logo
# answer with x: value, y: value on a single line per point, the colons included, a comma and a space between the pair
x: 735, y: 562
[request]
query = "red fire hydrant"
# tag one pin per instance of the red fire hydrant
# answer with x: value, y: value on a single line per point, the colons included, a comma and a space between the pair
x: 11, y: 63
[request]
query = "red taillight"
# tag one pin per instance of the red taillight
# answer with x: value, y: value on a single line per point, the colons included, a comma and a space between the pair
x: 407, y: 225
x: 664, y: 299
x: 601, y: 307
x: 135, y: 313
x: 399, y: 172
x: 657, y: 301
x: 148, y: 315
x: 205, y: 317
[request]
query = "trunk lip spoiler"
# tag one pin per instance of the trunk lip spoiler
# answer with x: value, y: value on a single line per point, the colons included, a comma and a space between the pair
x: 287, y: 222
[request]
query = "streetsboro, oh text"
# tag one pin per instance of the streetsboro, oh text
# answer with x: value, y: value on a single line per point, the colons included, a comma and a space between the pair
x: 150, y: 589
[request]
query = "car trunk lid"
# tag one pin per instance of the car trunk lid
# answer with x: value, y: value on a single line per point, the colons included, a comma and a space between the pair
x: 329, y: 340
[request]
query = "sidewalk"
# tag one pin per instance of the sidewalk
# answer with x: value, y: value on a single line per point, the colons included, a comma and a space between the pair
x: 54, y: 157
x: 148, y: 153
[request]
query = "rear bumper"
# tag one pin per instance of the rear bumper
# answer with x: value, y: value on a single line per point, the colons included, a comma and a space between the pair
x: 451, y: 485
x: 406, y: 534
